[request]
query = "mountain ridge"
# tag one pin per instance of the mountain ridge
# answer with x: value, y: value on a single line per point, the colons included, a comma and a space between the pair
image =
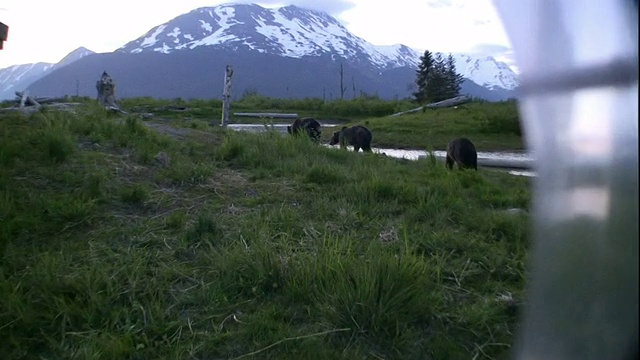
x: 310, y: 33
x: 239, y: 32
x: 18, y: 77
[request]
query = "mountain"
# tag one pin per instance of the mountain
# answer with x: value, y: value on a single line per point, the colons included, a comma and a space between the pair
x: 283, y: 52
x: 19, y: 77
x: 289, y: 31
x: 75, y: 55
x: 294, y: 32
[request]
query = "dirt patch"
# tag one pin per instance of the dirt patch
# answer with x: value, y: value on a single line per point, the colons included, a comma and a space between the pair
x: 226, y: 183
x: 230, y: 176
x: 179, y: 133
x: 232, y: 209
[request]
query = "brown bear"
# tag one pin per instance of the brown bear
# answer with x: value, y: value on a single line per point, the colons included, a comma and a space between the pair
x: 358, y: 136
x: 462, y: 152
x: 307, y: 125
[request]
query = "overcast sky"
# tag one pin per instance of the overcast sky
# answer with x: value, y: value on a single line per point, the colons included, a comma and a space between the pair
x: 47, y: 30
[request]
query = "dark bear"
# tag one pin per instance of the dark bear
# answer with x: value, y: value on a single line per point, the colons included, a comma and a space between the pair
x: 462, y: 152
x: 358, y: 136
x: 307, y: 125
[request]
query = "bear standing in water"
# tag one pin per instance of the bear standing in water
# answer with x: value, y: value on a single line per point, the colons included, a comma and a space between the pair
x: 358, y: 136
x: 308, y: 125
x: 462, y: 152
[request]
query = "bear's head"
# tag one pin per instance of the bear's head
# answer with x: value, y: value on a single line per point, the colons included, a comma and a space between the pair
x: 335, y: 138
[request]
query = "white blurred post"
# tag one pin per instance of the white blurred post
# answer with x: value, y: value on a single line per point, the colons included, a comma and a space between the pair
x: 579, y: 105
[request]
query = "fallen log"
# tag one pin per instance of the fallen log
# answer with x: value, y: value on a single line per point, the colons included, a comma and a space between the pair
x: 267, y: 115
x: 26, y: 100
x: 171, y: 108
x: 30, y: 100
x: 458, y: 100
x: 33, y: 109
x: 115, y: 109
x: 48, y: 100
x: 408, y: 111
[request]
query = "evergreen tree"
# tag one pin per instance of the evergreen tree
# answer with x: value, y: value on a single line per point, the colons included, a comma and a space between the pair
x: 454, y: 80
x: 437, y: 83
x: 437, y: 78
x: 424, y: 68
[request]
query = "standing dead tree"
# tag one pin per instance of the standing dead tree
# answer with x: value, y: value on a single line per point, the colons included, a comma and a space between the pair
x: 226, y: 95
x: 342, y: 87
x: 107, y: 93
x: 353, y: 83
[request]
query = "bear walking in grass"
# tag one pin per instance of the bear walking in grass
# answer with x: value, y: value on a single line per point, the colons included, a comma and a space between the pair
x: 306, y: 125
x: 462, y: 152
x: 358, y: 136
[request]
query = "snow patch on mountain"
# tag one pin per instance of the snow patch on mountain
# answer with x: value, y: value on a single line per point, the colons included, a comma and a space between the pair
x: 17, y: 73
x: 295, y: 32
x: 19, y: 77
x: 287, y: 31
x: 486, y: 71
x: 152, y: 39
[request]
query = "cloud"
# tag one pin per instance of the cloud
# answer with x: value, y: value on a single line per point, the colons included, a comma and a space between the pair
x: 497, y: 51
x: 331, y: 7
x: 439, y: 3
x: 490, y: 49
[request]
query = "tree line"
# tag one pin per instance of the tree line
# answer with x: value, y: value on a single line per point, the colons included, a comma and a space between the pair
x: 437, y: 78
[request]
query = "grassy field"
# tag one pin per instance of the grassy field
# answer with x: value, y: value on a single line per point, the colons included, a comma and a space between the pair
x: 129, y: 239
x: 491, y: 126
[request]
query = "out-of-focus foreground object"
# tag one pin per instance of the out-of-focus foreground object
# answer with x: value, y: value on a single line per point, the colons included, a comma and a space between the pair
x: 4, y: 32
x: 579, y: 105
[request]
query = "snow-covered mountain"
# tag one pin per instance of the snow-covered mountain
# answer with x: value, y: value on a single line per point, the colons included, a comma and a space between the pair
x: 287, y: 31
x: 19, y: 77
x: 295, y: 32
x: 486, y: 71
x: 287, y: 52
x: 16, y: 77
x: 75, y: 55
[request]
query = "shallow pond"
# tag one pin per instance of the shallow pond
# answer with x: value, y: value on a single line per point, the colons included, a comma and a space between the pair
x: 516, y: 163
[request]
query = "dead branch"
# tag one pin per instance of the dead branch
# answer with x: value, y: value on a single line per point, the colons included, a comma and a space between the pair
x: 458, y: 100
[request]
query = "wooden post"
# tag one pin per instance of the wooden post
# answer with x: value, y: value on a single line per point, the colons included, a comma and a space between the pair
x: 226, y: 95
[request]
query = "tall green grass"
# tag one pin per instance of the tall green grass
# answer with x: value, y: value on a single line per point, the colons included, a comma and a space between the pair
x: 491, y: 126
x: 247, y: 246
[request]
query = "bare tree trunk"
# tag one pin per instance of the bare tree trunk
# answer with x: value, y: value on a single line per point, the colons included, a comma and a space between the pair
x: 353, y: 82
x: 107, y: 92
x: 226, y: 96
x: 342, y: 87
